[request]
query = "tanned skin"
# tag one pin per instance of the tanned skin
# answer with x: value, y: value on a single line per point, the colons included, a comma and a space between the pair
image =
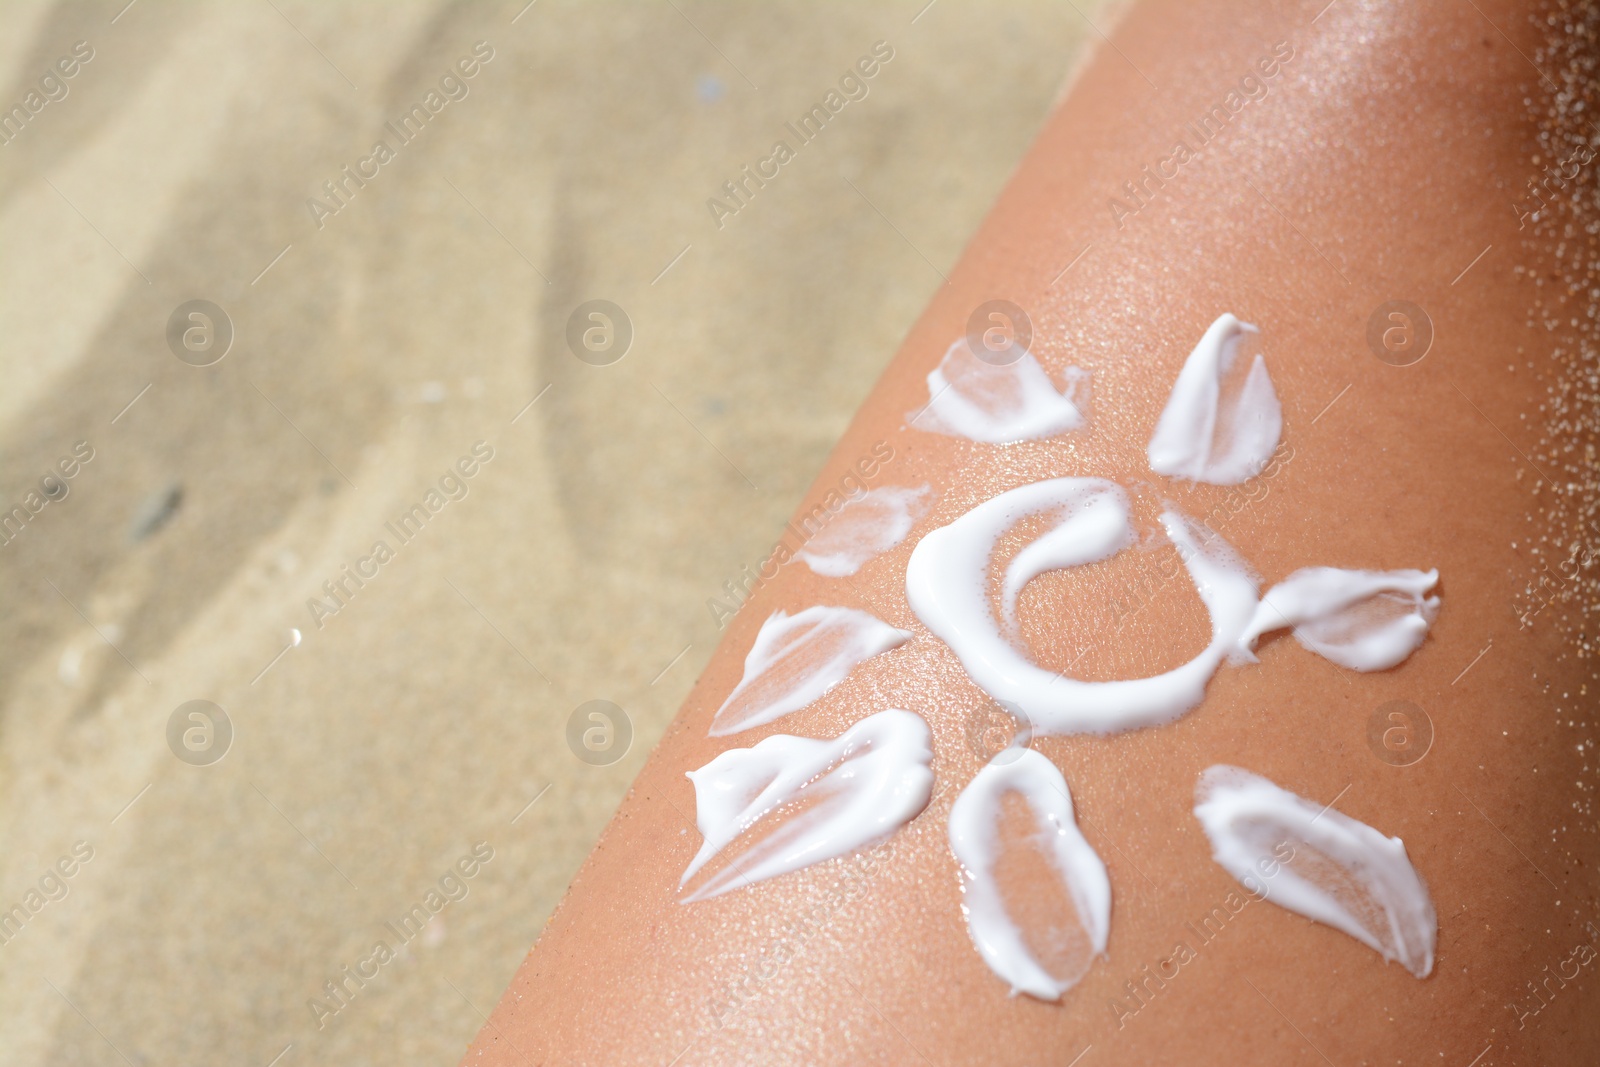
x: 1384, y: 153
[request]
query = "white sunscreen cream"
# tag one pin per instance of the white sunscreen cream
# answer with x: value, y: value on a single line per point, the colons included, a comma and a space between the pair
x: 947, y: 586
x: 848, y: 793
x: 999, y: 403
x: 865, y: 528
x: 975, y: 839
x: 1364, y: 620
x: 797, y: 658
x: 1343, y: 873
x: 1206, y: 436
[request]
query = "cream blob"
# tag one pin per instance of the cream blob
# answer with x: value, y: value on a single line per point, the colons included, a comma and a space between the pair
x: 857, y: 790
x: 1205, y: 436
x: 1099, y: 530
x: 974, y: 838
x: 947, y: 587
x: 1364, y: 620
x: 999, y: 404
x: 797, y: 658
x: 1343, y: 873
x: 865, y: 527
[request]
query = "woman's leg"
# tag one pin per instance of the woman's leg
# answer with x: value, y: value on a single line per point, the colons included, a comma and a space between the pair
x: 1303, y: 170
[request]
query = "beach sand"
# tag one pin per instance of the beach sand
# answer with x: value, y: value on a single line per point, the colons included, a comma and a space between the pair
x: 374, y: 348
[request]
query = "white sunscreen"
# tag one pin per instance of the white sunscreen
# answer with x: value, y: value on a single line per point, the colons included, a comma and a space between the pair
x: 1205, y: 436
x: 974, y: 838
x: 797, y: 658
x: 1343, y: 873
x: 999, y: 403
x: 857, y: 789
x: 1098, y: 530
x: 864, y: 528
x: 947, y: 587
x: 1364, y: 620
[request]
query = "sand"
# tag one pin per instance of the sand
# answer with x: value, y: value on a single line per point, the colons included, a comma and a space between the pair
x: 424, y: 712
